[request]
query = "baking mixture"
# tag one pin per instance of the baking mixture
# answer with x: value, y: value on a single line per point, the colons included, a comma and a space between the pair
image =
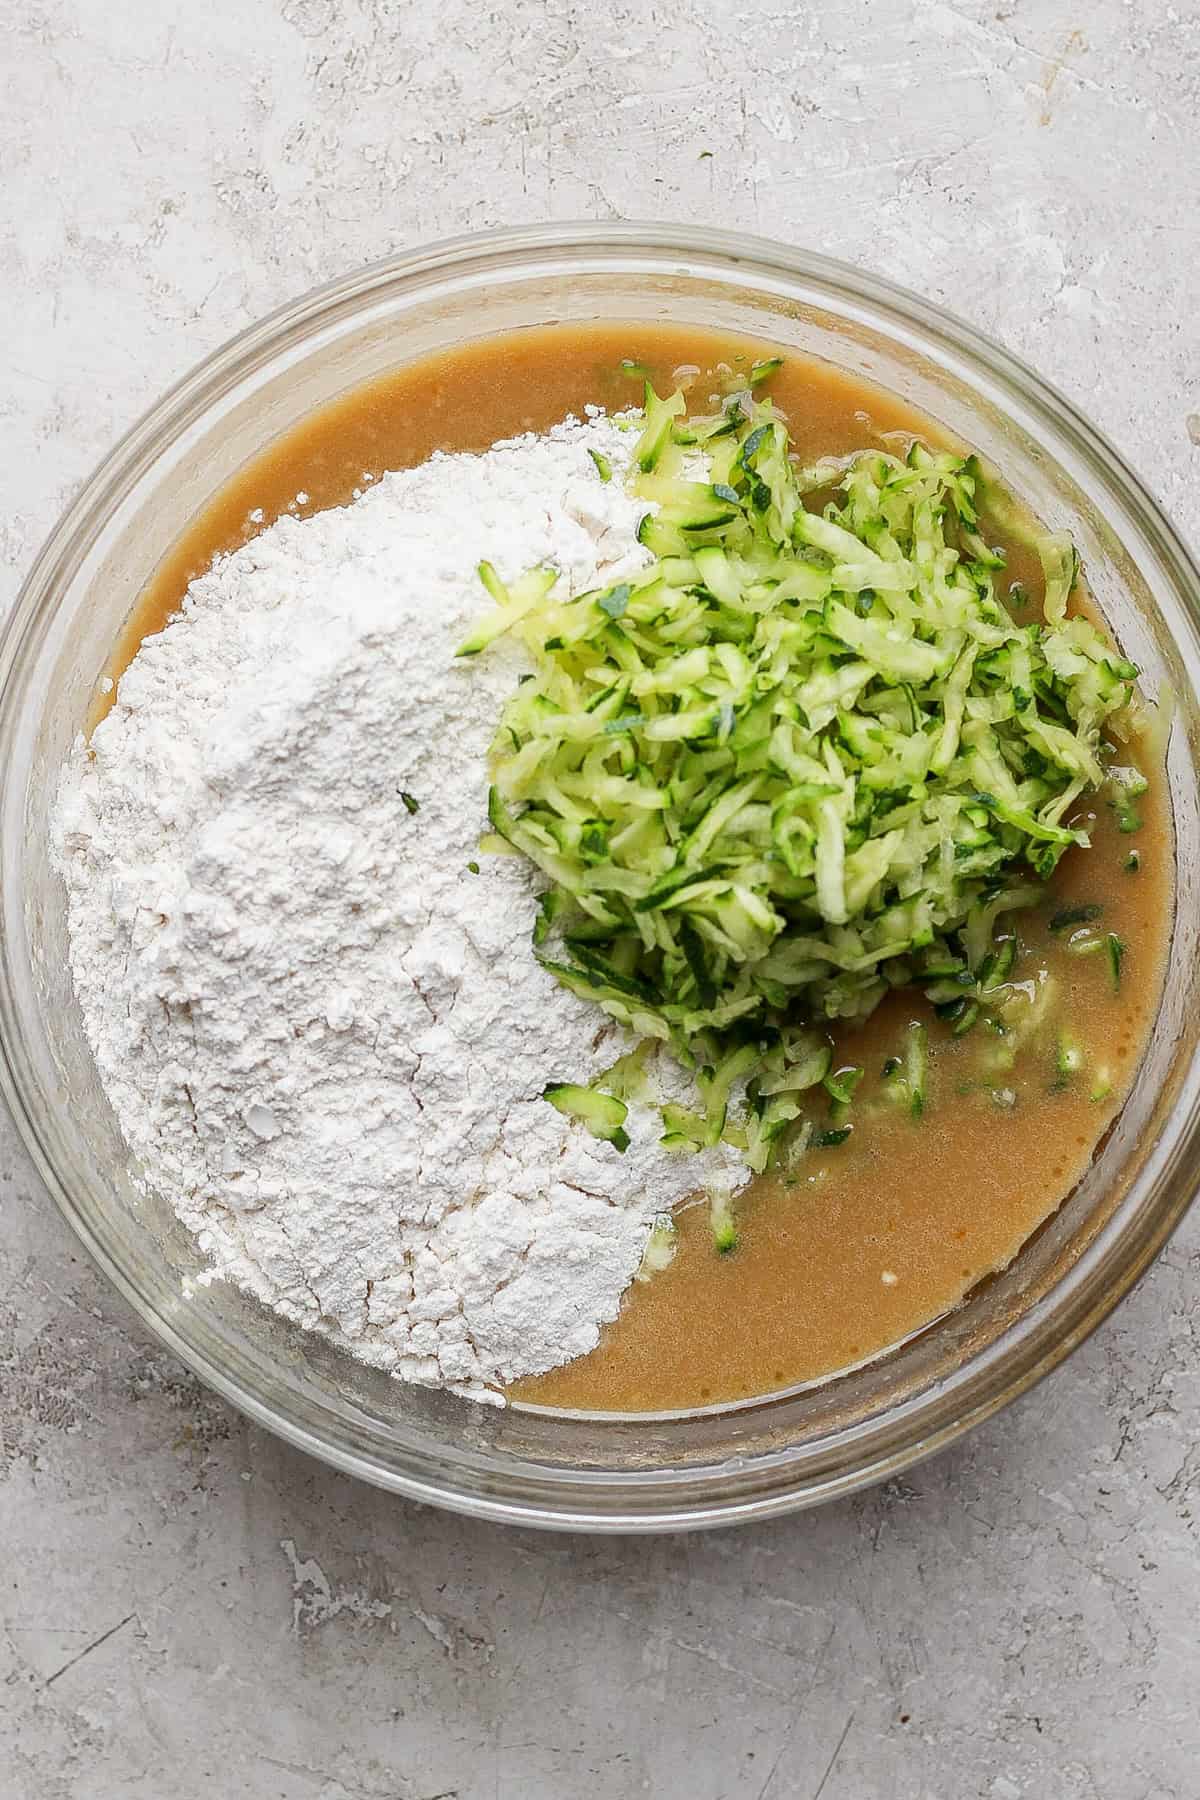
x: 616, y: 869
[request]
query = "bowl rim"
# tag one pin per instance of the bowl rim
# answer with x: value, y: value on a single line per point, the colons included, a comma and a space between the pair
x: 1107, y: 1269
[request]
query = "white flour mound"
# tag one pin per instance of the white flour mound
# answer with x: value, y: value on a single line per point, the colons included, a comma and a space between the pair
x: 323, y: 1036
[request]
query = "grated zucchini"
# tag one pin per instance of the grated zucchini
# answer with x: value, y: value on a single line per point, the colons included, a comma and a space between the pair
x: 1116, y: 957
x: 794, y: 755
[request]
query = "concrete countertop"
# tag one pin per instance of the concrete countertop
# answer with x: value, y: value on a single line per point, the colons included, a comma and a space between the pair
x: 189, y: 1609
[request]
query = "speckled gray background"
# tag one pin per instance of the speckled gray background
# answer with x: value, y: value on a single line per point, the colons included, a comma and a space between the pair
x: 187, y: 1608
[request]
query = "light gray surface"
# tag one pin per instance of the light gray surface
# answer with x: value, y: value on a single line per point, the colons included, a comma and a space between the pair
x: 188, y: 1608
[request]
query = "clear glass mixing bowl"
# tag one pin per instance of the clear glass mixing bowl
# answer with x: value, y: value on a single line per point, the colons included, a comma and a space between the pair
x: 514, y: 1464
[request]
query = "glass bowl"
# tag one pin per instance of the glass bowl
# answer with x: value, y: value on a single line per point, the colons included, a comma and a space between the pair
x: 516, y: 1464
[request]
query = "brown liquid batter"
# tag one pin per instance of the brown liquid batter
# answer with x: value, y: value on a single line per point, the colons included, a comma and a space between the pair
x: 865, y: 1242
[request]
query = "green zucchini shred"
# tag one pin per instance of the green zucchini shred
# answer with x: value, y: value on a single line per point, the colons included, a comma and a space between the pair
x: 830, y: 1138
x: 661, y: 1246
x: 916, y: 1067
x: 763, y: 371
x: 603, y: 1115
x: 724, y: 1229
x: 626, y: 1079
x: 1125, y: 786
x: 1075, y: 915
x: 1116, y: 957
x: 796, y: 759
x: 840, y: 1086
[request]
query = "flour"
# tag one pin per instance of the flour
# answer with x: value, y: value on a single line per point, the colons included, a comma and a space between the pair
x: 324, y: 1037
